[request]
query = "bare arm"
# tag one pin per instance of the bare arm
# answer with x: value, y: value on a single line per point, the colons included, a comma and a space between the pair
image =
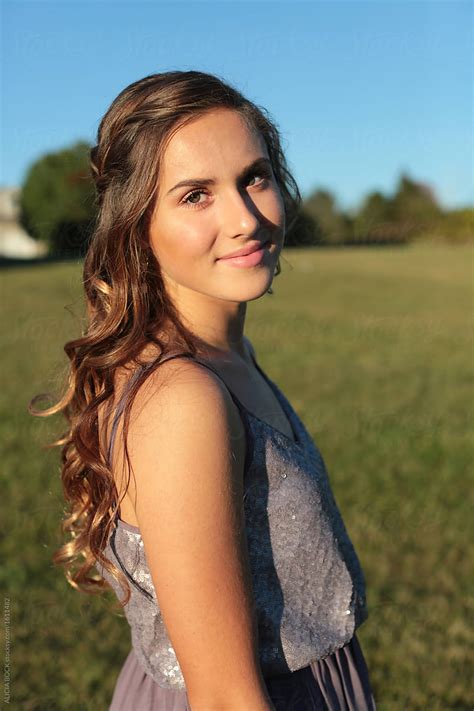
x: 187, y: 449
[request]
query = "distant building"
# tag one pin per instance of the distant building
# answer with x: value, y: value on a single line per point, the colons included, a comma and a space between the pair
x: 14, y: 241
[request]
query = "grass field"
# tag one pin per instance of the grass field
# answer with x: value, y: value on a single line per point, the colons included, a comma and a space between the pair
x: 374, y: 348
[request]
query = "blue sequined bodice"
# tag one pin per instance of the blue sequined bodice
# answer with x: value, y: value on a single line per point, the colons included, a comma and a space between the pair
x: 308, y: 584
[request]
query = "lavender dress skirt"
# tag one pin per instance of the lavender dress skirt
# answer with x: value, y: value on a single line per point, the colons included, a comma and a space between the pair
x: 340, y: 682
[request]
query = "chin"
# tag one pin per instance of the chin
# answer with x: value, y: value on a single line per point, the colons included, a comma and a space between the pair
x: 252, y: 291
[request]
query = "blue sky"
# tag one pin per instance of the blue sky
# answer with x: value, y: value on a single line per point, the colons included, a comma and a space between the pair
x: 361, y: 90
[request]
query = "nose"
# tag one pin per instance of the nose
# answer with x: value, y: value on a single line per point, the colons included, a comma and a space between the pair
x: 239, y: 214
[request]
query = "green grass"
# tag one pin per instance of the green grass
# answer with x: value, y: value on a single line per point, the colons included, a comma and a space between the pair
x: 374, y: 349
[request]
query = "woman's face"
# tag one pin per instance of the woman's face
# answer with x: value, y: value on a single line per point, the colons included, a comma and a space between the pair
x: 195, y: 225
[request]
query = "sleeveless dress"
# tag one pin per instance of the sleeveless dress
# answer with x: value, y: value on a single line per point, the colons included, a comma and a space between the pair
x: 337, y: 682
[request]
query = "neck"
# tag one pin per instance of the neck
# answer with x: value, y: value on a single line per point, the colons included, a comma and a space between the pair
x: 218, y: 324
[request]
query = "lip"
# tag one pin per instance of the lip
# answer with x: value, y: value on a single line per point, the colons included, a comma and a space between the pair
x: 250, y: 259
x: 248, y: 249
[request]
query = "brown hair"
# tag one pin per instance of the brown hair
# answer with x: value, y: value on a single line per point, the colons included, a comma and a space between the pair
x: 127, y: 304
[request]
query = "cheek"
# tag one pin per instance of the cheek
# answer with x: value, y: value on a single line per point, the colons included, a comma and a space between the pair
x: 179, y: 242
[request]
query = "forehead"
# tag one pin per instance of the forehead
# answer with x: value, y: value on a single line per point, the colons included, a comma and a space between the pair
x: 214, y: 140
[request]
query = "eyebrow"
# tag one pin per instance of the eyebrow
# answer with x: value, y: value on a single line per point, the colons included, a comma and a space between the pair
x: 204, y: 182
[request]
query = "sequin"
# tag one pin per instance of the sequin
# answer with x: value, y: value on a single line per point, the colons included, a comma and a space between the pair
x: 298, y: 615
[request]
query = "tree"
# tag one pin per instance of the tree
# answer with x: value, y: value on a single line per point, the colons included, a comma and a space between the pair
x: 414, y: 208
x: 373, y: 222
x: 334, y: 226
x: 57, y: 200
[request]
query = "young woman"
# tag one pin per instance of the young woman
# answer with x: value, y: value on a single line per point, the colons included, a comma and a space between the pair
x: 195, y: 490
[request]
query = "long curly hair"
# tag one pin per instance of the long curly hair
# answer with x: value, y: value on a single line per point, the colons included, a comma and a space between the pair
x: 127, y: 305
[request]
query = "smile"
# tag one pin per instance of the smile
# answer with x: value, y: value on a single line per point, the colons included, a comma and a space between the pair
x: 248, y: 260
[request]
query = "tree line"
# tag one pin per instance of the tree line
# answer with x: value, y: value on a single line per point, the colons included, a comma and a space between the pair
x: 57, y: 206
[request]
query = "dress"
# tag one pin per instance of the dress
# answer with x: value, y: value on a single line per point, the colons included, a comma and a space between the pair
x: 337, y: 682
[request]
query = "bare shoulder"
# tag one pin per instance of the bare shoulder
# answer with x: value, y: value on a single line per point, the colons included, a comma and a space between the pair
x: 181, y: 392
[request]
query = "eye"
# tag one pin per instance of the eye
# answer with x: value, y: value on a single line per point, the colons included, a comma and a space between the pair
x: 188, y: 199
